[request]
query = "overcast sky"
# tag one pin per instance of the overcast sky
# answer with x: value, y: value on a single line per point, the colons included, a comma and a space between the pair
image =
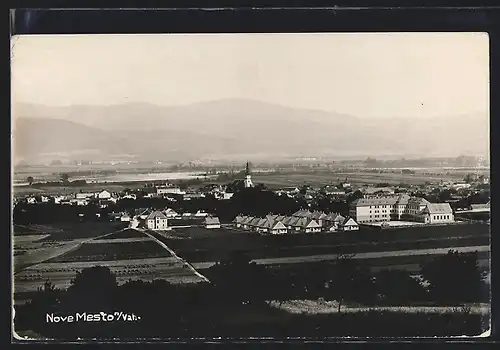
x: 366, y: 75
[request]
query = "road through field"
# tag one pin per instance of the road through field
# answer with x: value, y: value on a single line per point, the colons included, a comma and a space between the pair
x: 190, y: 266
x: 369, y: 255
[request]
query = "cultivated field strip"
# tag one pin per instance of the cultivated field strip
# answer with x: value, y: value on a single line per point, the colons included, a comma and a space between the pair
x: 118, y: 240
x: 370, y: 255
x: 137, y: 256
x: 113, y: 251
x: 28, y: 238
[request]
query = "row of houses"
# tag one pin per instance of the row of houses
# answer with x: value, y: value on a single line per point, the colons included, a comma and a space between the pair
x: 300, y: 222
x: 400, y: 207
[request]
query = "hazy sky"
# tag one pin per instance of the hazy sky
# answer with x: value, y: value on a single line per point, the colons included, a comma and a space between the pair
x: 366, y: 75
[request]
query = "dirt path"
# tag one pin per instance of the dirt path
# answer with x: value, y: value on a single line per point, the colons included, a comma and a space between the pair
x: 191, y: 267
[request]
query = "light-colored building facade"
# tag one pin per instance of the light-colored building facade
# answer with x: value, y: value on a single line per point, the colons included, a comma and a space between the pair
x: 104, y: 195
x: 157, y: 221
x: 212, y: 222
x: 390, y: 208
x: 437, y: 213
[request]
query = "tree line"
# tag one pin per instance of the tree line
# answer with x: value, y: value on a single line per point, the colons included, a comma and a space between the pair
x: 235, y: 303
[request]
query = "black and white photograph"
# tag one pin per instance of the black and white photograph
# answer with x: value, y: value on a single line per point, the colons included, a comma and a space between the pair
x: 250, y: 186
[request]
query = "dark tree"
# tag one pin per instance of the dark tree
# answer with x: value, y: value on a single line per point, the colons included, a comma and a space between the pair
x: 455, y: 278
x: 398, y: 287
x: 30, y: 180
x: 92, y: 288
x: 64, y: 177
x: 348, y: 280
x: 353, y: 196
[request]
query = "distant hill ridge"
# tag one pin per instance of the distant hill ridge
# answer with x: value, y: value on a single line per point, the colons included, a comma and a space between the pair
x: 235, y: 127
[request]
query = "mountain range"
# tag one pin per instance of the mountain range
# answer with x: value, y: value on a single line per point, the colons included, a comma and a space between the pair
x: 232, y: 129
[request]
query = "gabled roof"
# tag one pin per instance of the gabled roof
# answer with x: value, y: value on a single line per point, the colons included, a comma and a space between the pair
x: 278, y: 225
x: 310, y: 223
x: 418, y: 201
x: 438, y: 208
x: 303, y: 213
x: 247, y: 220
x: 142, y: 211
x: 280, y: 217
x: 402, y: 199
x: 169, y: 211
x: 262, y: 222
x: 480, y: 206
x: 349, y: 222
x: 239, y: 219
x: 295, y: 221
x: 318, y: 215
x: 254, y: 221
x: 156, y: 214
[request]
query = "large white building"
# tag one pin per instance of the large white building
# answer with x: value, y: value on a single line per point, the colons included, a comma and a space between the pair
x: 394, y: 208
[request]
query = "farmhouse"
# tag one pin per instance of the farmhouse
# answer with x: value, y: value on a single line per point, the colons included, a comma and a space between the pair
x: 333, y: 221
x: 103, y: 195
x: 157, y: 221
x: 349, y: 225
x: 212, y: 222
x: 309, y: 225
x: 170, y: 213
x: 272, y: 226
x: 437, y: 213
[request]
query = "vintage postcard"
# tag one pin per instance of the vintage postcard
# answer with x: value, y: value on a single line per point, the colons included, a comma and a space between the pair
x: 250, y: 186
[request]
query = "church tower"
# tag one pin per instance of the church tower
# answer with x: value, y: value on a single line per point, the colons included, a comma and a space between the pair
x: 248, y: 178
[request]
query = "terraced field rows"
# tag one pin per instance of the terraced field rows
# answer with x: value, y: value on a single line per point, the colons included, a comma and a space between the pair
x: 130, y: 254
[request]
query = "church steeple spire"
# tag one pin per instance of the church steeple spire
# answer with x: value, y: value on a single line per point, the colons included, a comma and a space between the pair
x: 248, y: 178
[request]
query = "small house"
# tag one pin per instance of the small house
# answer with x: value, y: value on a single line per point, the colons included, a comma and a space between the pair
x: 170, y: 213
x: 104, y: 195
x: 349, y: 225
x: 212, y: 222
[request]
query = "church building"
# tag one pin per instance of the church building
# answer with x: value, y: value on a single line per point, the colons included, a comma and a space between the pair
x: 248, y: 178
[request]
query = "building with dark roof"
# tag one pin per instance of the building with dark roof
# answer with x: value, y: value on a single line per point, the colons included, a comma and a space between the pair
x: 437, y: 213
x: 157, y: 221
